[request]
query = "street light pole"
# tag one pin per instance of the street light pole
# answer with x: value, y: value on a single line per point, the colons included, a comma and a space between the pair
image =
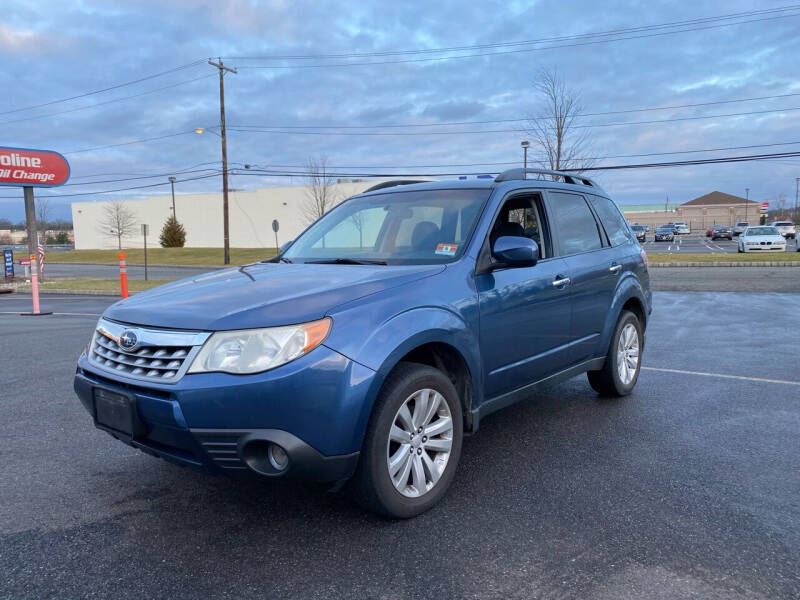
x: 747, y: 201
x: 172, y: 184
x: 525, y: 145
x: 225, y: 222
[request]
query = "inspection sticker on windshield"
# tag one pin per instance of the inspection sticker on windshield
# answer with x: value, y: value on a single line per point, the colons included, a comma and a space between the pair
x: 447, y: 249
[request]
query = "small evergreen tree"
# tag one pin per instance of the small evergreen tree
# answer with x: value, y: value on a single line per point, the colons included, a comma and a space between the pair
x: 173, y: 235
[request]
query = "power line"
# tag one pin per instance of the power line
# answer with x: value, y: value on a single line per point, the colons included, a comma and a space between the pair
x: 515, y: 162
x: 257, y: 129
x: 159, y: 137
x: 516, y: 51
x: 516, y: 43
x: 71, y: 110
x: 113, y: 87
x: 524, y: 119
x: 137, y: 187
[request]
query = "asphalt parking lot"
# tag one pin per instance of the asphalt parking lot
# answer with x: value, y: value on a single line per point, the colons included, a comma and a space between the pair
x: 698, y: 243
x: 689, y: 488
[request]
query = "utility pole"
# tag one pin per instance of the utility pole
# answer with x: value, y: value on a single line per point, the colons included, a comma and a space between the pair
x: 225, y: 222
x: 172, y: 184
x: 30, y: 220
x: 796, y: 198
x: 747, y: 201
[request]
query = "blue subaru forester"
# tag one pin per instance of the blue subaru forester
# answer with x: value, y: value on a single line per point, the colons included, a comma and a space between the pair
x: 375, y: 341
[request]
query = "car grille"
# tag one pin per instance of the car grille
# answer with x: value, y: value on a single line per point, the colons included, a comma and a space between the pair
x: 157, y: 354
x: 160, y: 362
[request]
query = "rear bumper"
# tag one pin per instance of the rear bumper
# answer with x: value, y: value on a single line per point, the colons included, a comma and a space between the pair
x: 315, y: 411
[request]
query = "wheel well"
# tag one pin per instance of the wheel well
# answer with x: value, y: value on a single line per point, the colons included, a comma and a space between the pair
x: 635, y: 306
x: 449, y: 361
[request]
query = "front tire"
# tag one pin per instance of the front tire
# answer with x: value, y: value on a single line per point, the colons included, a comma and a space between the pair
x: 412, y: 444
x: 623, y: 361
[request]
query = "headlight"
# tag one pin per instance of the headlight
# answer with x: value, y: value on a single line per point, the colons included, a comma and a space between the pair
x: 255, y: 350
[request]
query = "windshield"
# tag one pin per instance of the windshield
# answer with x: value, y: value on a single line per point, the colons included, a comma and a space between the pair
x: 742, y: 224
x: 638, y: 228
x: 414, y: 227
x: 761, y: 231
x: 783, y: 224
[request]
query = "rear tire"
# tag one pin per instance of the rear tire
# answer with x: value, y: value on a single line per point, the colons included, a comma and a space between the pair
x: 428, y: 462
x: 619, y: 373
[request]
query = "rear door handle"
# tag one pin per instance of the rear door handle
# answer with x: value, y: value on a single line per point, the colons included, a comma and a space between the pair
x: 614, y: 268
x: 561, y: 281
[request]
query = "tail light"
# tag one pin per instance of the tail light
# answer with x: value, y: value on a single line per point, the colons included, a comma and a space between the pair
x: 643, y: 254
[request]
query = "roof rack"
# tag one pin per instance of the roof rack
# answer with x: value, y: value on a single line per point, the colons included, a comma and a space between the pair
x: 388, y: 184
x: 573, y: 178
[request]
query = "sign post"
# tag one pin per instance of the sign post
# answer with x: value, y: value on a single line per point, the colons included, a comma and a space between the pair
x: 26, y: 168
x: 275, y: 227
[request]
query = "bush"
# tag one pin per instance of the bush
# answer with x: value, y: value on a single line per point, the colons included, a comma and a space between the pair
x: 173, y: 235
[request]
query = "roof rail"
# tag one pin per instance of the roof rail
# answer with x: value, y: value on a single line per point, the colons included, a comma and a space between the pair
x: 574, y: 178
x: 394, y: 182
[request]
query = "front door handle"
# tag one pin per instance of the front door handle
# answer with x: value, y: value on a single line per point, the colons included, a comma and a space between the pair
x: 561, y: 281
x: 614, y: 268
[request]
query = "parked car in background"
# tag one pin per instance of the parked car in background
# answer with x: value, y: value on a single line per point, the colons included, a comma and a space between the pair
x: 681, y: 228
x: 786, y: 228
x: 665, y: 233
x: 762, y: 238
x: 378, y: 338
x: 740, y: 227
x: 711, y: 229
x: 640, y: 232
x: 723, y: 231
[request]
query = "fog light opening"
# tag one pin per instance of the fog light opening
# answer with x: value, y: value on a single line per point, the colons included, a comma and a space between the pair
x: 277, y: 457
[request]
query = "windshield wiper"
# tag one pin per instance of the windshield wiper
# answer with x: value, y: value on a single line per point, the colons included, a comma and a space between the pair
x: 346, y: 261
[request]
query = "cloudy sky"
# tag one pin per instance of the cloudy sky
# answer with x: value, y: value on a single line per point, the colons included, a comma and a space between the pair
x: 366, y: 66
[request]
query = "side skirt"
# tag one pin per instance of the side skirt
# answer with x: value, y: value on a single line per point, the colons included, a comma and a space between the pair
x: 493, y: 404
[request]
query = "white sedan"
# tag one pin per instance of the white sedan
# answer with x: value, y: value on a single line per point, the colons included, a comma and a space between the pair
x: 764, y: 238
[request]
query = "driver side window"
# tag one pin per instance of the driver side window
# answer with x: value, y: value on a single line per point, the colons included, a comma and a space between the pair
x: 522, y: 216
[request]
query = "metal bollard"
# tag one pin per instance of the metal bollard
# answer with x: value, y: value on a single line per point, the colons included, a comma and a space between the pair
x: 123, y: 275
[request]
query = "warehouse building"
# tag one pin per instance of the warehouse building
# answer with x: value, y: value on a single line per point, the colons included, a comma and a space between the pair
x: 251, y: 214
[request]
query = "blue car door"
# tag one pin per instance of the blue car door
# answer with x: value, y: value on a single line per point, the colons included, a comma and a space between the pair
x: 524, y: 312
x: 593, y: 269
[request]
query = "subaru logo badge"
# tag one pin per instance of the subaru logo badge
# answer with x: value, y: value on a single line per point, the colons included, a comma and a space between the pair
x: 129, y: 339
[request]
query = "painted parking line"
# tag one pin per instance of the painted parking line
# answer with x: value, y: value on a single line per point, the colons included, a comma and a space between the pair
x: 721, y: 376
x: 68, y: 314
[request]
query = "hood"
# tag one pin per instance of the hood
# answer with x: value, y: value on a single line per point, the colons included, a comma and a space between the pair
x: 260, y: 295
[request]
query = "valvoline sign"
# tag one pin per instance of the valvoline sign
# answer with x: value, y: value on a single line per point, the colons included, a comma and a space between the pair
x: 35, y: 168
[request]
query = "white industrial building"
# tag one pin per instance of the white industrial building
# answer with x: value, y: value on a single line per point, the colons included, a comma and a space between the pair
x: 251, y: 215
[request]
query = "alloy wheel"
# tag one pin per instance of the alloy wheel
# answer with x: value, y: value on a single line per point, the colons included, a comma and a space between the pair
x: 420, y: 442
x: 628, y: 353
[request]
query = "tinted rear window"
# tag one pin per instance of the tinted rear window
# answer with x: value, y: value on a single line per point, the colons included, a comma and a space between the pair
x: 575, y: 224
x: 613, y: 222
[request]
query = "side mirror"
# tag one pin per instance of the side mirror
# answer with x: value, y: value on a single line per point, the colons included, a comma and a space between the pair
x: 515, y: 252
x: 285, y: 246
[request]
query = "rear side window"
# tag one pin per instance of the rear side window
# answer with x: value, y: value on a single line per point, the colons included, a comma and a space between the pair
x: 612, y: 220
x: 574, y: 224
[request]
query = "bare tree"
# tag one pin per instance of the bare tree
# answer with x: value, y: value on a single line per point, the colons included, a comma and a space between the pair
x: 780, y: 204
x: 118, y: 221
x: 320, y: 195
x: 42, y: 216
x: 563, y: 145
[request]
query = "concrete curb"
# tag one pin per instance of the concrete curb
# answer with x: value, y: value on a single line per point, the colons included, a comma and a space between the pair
x: 728, y: 264
x: 70, y: 293
x: 87, y: 264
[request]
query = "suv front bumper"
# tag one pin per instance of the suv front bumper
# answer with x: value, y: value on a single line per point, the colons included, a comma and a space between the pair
x: 314, y: 408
